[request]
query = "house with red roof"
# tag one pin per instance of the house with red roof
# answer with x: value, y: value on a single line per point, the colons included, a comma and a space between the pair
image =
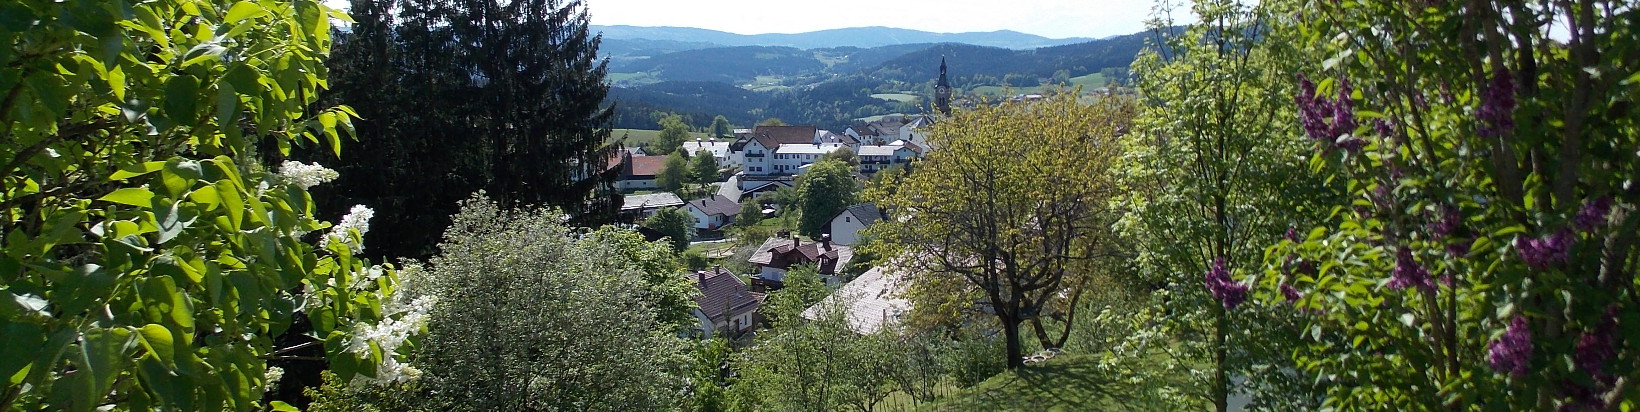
x: 780, y: 254
x: 724, y: 304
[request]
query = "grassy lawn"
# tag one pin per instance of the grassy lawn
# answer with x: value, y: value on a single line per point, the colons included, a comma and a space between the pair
x: 898, y: 97
x: 1089, y: 82
x: 631, y: 78
x: 637, y: 137
x: 1066, y: 383
x: 767, y: 83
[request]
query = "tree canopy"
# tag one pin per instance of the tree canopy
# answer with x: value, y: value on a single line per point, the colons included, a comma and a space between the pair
x: 823, y: 191
x: 1014, y: 199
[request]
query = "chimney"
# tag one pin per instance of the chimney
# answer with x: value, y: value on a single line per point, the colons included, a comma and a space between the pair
x: 700, y: 275
x: 794, y: 242
x: 825, y: 241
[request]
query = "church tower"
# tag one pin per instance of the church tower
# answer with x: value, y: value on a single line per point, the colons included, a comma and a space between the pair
x: 942, y: 92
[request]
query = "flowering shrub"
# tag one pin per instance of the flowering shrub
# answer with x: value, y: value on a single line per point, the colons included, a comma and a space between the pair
x: 1484, y: 253
x: 148, y: 260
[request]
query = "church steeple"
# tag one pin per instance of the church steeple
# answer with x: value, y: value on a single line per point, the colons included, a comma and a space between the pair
x: 942, y: 91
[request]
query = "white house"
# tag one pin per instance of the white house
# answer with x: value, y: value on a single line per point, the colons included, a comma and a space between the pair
x: 846, y: 226
x: 639, y: 207
x: 724, y: 304
x: 778, y: 254
x: 713, y: 212
x: 720, y: 150
x: 875, y: 158
x: 638, y: 172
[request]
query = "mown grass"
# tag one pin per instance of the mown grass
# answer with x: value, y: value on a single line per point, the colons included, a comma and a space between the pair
x: 638, y: 137
x: 898, y: 97
x: 1066, y: 383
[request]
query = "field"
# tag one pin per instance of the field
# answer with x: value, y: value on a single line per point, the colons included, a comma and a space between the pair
x: 630, y: 79
x: 638, y: 137
x: 1088, y: 83
x: 898, y: 97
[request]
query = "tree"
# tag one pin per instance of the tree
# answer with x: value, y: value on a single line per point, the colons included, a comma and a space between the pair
x: 521, y: 113
x: 842, y: 154
x: 1214, y: 180
x: 533, y: 315
x: 676, y: 224
x: 1015, y: 198
x: 703, y: 169
x: 751, y: 212
x: 673, y: 133
x: 153, y: 250
x: 721, y: 127
x: 823, y: 192
x: 772, y: 121
x: 674, y: 173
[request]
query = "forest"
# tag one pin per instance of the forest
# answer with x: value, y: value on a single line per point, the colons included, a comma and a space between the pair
x: 1303, y: 205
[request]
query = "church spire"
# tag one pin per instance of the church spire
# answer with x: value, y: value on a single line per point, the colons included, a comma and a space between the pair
x: 942, y: 91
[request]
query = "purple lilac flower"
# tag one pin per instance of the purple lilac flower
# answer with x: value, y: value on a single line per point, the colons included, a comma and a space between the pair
x: 1595, y: 348
x: 1292, y: 234
x: 1447, y: 223
x: 1230, y: 292
x: 1593, y: 214
x: 1584, y: 398
x: 1384, y: 127
x: 1291, y: 294
x: 1497, y: 111
x: 1327, y: 120
x: 1540, y: 253
x: 1512, y: 352
x: 1408, y: 272
x: 1382, y: 197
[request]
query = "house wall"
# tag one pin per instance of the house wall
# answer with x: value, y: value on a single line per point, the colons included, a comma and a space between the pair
x: 772, y: 272
x: 845, y: 229
x: 705, y: 327
x: 702, y: 221
x: 757, y: 159
x: 635, y: 184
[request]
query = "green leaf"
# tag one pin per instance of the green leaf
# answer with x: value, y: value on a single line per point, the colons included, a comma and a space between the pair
x: 283, y: 407
x: 135, y: 170
x: 244, y: 10
x: 172, y: 221
x: 160, y: 344
x: 134, y: 196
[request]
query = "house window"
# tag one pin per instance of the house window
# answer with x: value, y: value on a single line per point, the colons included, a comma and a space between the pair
x: 847, y: 219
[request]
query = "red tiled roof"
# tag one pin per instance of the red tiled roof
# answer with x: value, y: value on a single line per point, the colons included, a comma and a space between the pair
x: 647, y: 166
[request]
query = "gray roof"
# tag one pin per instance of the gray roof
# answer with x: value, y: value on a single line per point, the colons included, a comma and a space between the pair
x: 716, y: 205
x: 870, y: 302
x: 867, y: 212
x: 730, y: 188
x: 650, y: 201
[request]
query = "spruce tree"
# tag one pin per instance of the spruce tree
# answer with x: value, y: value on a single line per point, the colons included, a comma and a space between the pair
x: 460, y: 96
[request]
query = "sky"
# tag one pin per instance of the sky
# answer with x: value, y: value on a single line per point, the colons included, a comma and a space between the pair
x: 1048, y: 18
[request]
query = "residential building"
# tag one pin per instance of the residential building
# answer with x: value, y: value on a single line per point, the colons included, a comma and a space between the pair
x: 846, y: 226
x: 779, y: 254
x: 639, y: 207
x: 869, y: 302
x: 875, y: 158
x: 724, y: 305
x: 720, y: 150
x: 638, y: 172
x: 713, y: 212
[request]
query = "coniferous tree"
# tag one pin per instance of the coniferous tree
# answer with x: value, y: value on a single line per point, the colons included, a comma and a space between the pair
x: 460, y: 96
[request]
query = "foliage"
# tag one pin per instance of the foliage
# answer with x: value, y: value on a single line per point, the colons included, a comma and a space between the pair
x: 822, y: 192
x: 708, y: 379
x: 149, y: 260
x: 519, y: 113
x: 703, y: 168
x: 673, y: 133
x: 533, y: 315
x: 819, y: 364
x: 674, y: 173
x: 1211, y: 181
x: 751, y: 213
x: 1013, y: 202
x: 676, y: 223
x: 842, y: 154
x: 721, y: 128
x: 1488, y: 228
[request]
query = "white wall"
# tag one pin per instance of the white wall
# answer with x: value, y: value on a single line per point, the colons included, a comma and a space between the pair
x: 845, y: 229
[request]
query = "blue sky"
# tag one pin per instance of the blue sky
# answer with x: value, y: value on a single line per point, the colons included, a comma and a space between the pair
x: 1050, y: 18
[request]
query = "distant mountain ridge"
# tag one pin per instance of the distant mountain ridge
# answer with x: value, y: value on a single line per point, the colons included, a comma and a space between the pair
x: 865, y: 37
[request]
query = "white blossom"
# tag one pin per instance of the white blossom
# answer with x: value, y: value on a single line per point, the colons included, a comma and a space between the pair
x: 272, y: 376
x: 357, y: 219
x: 306, y: 175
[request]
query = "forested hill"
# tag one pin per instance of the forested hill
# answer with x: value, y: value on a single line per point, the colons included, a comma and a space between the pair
x: 845, y: 37
x: 832, y: 86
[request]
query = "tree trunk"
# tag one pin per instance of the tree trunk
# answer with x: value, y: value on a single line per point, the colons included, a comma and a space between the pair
x: 1010, y: 331
x: 1221, y: 382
